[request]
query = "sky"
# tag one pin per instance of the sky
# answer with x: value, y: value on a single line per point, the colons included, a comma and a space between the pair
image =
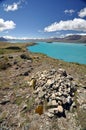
x: 42, y: 18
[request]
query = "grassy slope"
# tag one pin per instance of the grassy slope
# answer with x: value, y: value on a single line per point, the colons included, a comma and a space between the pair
x: 77, y: 70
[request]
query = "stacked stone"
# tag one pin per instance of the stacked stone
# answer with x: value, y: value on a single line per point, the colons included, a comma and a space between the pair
x: 55, y: 89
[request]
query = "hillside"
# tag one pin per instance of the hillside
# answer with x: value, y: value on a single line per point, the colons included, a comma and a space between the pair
x: 71, y: 38
x: 38, y: 92
x: 3, y: 39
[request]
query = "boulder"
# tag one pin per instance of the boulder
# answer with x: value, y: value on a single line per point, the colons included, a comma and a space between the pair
x: 60, y: 109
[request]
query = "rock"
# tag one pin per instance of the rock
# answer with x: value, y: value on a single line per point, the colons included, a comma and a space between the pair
x: 50, y: 115
x: 58, y: 98
x: 64, y: 100
x: 24, y: 56
x: 15, y: 62
x: 12, y: 97
x: 49, y: 82
x: 26, y: 73
x: 4, y: 101
x: 58, y: 94
x: 53, y: 96
x: 54, y: 103
x: 39, y: 89
x: 69, y: 77
x: 41, y: 94
x: 10, y: 57
x: 32, y: 83
x: 23, y: 106
x: 53, y: 110
x: 60, y: 109
x: 69, y: 100
x: 37, y: 100
x: 62, y: 72
x: 74, y: 105
x: 52, y: 72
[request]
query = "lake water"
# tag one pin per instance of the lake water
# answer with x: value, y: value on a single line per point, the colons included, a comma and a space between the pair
x: 70, y: 52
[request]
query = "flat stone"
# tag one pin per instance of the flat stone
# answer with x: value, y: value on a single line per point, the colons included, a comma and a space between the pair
x: 58, y: 93
x: 69, y: 77
x: 69, y: 100
x: 5, y: 101
x: 53, y: 110
x: 60, y: 109
x: 53, y: 96
x: 26, y: 73
x: 41, y: 94
x: 50, y: 115
x: 58, y: 98
x: 50, y: 82
x: 39, y: 89
x: 62, y: 72
x: 54, y: 103
x: 23, y: 107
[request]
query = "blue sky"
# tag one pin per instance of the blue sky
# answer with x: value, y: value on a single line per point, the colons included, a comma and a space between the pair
x: 42, y: 18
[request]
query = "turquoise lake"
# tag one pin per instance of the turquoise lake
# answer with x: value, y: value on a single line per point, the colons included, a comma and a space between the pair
x: 70, y: 52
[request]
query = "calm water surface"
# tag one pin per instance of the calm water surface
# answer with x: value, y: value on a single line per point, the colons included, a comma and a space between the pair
x: 70, y: 52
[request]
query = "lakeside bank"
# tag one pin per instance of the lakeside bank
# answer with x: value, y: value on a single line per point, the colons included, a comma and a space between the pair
x: 69, y: 52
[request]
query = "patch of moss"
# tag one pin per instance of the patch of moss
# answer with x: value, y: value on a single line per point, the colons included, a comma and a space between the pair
x: 13, y: 48
x: 18, y: 100
x: 30, y: 104
x: 83, y: 128
x: 3, y: 116
x: 4, y: 63
x: 25, y: 56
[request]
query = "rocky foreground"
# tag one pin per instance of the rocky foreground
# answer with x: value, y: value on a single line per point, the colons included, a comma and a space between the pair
x: 40, y: 93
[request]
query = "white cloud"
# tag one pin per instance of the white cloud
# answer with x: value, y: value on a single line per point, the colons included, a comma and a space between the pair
x: 12, y: 37
x: 76, y: 24
x: 9, y: 37
x: 70, y: 34
x: 82, y: 13
x: 69, y: 11
x: 14, y: 6
x: 21, y: 38
x: 6, y: 25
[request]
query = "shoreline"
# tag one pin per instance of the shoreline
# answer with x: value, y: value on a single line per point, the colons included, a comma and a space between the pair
x: 56, y: 57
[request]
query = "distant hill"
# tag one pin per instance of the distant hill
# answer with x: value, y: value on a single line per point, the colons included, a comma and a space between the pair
x: 3, y: 39
x: 71, y: 38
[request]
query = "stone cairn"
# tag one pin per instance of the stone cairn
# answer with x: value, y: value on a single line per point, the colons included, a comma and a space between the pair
x: 55, y: 90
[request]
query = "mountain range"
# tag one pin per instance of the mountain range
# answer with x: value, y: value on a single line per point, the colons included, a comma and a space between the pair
x: 70, y: 38
x: 3, y: 39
